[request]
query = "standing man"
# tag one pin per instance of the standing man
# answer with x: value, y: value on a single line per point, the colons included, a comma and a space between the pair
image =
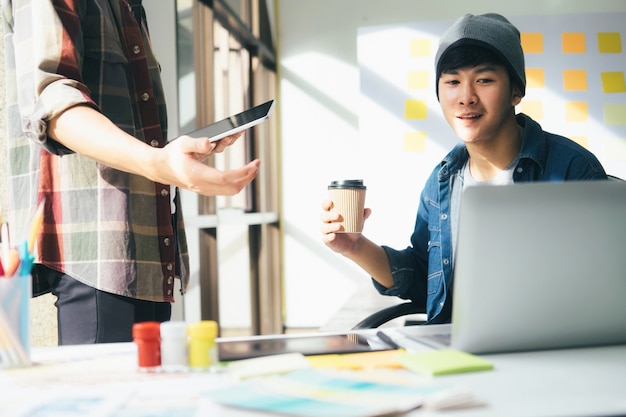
x: 480, y: 79
x: 87, y: 132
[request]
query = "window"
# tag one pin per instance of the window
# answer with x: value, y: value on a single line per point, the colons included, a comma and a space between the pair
x: 226, y: 64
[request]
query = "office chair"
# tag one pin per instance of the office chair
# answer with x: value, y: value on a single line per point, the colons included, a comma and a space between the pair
x: 386, y: 314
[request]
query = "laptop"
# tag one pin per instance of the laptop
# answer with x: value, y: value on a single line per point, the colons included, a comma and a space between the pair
x: 538, y: 266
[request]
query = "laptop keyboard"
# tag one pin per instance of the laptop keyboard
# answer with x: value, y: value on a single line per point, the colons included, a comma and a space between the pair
x: 436, y: 340
x: 442, y: 339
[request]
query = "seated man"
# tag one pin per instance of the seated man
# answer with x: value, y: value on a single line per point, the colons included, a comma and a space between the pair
x: 480, y: 79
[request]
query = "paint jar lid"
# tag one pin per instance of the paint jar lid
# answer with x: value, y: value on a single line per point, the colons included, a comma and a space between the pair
x: 147, y: 330
x: 206, y: 329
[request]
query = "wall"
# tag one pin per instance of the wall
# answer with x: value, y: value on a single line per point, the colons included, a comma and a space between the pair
x: 319, y: 104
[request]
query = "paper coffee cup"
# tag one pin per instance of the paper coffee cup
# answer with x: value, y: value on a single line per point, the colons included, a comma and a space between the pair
x: 348, y: 197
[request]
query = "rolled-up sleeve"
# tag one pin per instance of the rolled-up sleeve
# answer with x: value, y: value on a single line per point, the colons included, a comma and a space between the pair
x: 48, y: 60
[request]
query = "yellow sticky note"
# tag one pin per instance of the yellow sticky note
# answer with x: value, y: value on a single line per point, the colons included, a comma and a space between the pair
x: 615, y: 149
x: 415, y: 142
x: 419, y: 80
x: 615, y: 114
x: 532, y: 43
x: 573, y: 43
x: 532, y: 108
x: 420, y: 48
x: 575, y: 80
x: 363, y: 360
x: 535, y: 78
x: 581, y: 140
x: 331, y: 361
x: 609, y: 43
x: 415, y: 109
x: 613, y: 82
x: 576, y: 111
x: 443, y: 362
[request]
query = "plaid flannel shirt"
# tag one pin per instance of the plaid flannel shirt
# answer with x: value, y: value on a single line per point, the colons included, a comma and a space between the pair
x: 106, y: 228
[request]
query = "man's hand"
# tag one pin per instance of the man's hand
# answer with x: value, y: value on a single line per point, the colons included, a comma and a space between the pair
x: 182, y: 166
x: 343, y: 243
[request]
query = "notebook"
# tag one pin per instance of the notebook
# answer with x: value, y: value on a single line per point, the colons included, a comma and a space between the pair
x: 538, y: 266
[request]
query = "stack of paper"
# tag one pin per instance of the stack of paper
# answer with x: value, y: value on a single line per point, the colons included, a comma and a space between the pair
x: 310, y: 388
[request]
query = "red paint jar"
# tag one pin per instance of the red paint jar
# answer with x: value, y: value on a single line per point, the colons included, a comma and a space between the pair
x: 147, y: 337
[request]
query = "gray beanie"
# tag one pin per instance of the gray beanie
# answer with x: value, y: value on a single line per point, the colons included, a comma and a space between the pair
x: 491, y: 31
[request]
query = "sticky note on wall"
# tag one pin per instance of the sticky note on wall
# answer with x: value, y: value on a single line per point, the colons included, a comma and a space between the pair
x: 533, y: 108
x: 419, y: 80
x: 535, y: 78
x: 573, y: 43
x: 415, y: 109
x: 575, y: 80
x: 615, y: 114
x: 613, y: 82
x: 576, y: 111
x: 581, y: 140
x: 532, y: 43
x: 420, y: 48
x: 415, y: 142
x: 609, y: 43
x: 616, y: 149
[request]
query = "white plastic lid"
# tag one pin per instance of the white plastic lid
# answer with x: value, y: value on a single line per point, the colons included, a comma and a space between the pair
x: 173, y: 330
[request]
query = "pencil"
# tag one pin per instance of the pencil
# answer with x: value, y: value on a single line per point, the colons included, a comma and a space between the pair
x: 35, y: 226
x: 6, y: 244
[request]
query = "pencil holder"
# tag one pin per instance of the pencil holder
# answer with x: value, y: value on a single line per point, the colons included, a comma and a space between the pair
x: 15, y: 294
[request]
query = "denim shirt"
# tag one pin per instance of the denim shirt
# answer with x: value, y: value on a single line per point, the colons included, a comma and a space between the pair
x: 423, y: 272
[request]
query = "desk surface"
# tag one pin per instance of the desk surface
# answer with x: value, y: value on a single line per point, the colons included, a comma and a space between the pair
x: 574, y: 382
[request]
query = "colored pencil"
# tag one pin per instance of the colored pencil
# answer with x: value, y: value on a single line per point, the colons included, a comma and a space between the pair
x: 35, y: 226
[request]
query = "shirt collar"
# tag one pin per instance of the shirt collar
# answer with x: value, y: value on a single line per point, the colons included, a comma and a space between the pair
x: 532, y: 149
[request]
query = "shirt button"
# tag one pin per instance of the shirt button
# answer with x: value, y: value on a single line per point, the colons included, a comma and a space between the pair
x: 170, y: 267
x: 145, y: 96
x: 165, y: 192
x: 170, y: 280
x: 154, y: 143
x: 166, y: 241
x: 444, y: 216
x: 446, y: 261
x: 136, y: 49
x: 169, y: 292
x: 520, y: 169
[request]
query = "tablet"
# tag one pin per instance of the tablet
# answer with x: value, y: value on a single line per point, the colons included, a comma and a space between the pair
x: 230, y: 349
x: 236, y: 123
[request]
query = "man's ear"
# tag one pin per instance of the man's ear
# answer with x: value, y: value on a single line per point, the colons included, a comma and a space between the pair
x: 516, y: 96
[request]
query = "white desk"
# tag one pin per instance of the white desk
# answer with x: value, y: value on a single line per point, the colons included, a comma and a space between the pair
x: 577, y: 382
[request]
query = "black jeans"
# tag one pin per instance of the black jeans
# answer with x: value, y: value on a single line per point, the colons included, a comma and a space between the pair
x: 87, y: 315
